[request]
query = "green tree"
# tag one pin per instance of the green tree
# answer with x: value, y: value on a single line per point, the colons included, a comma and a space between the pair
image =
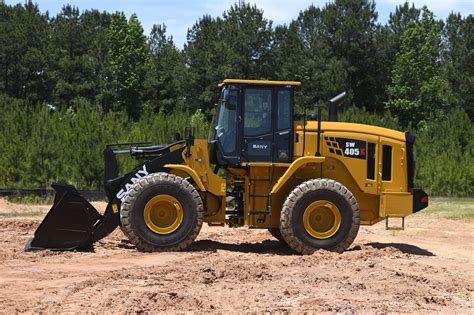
x: 322, y: 72
x: 332, y: 49
x: 70, y: 67
x: 348, y: 29
x: 403, y: 16
x: 24, y: 33
x: 13, y: 133
x: 417, y: 91
x: 248, y: 36
x: 236, y: 46
x: 128, y: 53
x: 459, y: 60
x: 286, y: 61
x: 387, y: 41
x: 95, y: 27
x: 445, y: 155
x: 165, y: 79
x: 206, y: 57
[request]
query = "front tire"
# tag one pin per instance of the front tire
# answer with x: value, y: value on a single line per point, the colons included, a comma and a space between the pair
x: 320, y: 214
x: 162, y: 212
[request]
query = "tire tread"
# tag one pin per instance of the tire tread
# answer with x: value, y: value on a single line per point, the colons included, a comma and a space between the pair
x: 131, y: 198
x: 286, y: 227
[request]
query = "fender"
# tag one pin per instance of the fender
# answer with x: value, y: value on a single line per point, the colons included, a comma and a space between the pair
x: 297, y: 164
x: 188, y: 171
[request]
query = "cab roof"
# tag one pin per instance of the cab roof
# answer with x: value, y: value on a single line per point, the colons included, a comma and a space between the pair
x: 258, y: 82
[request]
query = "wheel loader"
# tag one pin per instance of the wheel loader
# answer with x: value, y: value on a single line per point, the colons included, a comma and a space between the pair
x: 311, y: 183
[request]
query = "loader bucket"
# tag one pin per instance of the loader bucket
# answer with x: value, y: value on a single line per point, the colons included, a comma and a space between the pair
x: 68, y: 225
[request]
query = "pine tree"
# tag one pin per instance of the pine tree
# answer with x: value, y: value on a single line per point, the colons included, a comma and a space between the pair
x: 23, y: 52
x: 417, y: 91
x: 128, y: 53
x: 236, y: 46
x: 165, y: 79
x: 459, y: 60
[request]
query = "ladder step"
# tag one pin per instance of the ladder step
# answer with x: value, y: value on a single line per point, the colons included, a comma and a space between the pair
x: 259, y: 179
x: 260, y: 195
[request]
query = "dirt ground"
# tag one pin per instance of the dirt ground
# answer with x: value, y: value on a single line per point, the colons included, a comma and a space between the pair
x: 429, y: 267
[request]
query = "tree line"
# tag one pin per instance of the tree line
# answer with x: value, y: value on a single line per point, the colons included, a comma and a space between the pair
x: 71, y: 82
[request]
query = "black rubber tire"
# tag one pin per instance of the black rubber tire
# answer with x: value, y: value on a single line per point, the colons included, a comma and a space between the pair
x: 291, y: 219
x: 275, y: 232
x: 133, y: 222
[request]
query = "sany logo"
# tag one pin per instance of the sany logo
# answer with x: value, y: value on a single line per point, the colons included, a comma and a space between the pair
x: 259, y: 146
x: 139, y: 174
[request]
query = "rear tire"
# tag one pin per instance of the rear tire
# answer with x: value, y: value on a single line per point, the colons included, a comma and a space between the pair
x: 320, y: 214
x: 162, y: 212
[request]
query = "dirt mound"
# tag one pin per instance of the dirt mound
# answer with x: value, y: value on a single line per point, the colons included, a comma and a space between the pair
x: 241, y: 270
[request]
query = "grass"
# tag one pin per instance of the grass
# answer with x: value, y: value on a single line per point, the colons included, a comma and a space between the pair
x: 451, y: 208
x: 19, y: 214
x: 30, y: 199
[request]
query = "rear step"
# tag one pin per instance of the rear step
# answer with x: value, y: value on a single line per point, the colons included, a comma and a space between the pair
x: 395, y: 228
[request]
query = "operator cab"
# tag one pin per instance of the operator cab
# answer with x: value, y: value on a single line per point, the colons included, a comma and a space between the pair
x: 254, y: 122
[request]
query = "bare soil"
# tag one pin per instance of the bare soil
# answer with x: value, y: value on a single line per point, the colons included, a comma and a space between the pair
x: 426, y: 268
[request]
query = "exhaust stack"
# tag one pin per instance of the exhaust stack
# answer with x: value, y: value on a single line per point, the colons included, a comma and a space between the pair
x: 333, y: 104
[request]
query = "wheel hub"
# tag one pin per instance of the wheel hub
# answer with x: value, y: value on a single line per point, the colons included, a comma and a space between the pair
x: 322, y: 219
x: 163, y: 214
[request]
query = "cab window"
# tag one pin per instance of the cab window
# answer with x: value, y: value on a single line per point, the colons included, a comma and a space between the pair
x: 227, y: 124
x: 257, y: 112
x: 284, y: 108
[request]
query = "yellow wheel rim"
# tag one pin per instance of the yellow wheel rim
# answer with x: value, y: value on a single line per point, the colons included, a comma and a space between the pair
x: 322, y: 219
x: 163, y: 214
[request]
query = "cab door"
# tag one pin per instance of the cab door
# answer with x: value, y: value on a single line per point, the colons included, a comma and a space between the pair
x: 283, y: 122
x: 267, y: 124
x: 257, y: 124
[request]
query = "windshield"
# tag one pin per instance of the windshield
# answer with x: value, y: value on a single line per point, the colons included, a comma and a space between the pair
x: 224, y: 127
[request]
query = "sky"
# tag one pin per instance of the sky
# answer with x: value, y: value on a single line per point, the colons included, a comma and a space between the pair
x: 179, y: 15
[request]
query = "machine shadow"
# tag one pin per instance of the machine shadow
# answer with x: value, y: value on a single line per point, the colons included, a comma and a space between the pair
x: 404, y: 248
x: 265, y: 247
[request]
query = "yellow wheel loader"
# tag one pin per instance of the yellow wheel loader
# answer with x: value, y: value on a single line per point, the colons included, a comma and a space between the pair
x: 310, y: 183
